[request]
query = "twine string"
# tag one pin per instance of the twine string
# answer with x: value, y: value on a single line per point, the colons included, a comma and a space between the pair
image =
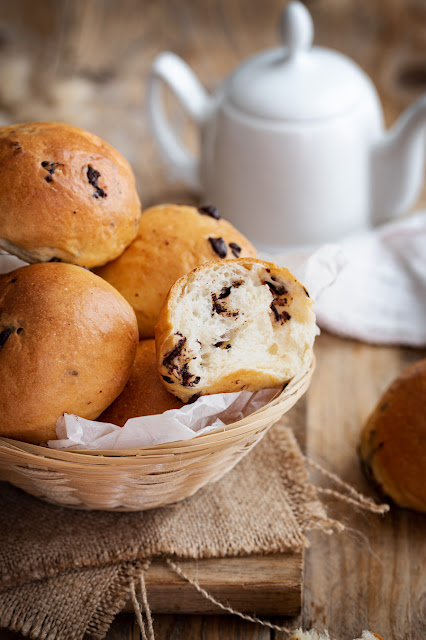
x: 146, y: 606
x: 208, y: 596
x: 147, y: 631
x: 356, y: 498
x: 138, y: 611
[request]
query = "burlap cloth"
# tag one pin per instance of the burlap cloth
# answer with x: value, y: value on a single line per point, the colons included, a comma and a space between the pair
x: 65, y: 572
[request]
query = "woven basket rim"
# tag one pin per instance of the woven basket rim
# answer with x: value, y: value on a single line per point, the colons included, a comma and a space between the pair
x: 160, y: 451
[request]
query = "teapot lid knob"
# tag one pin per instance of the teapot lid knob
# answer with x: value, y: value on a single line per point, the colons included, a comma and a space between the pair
x: 297, y: 29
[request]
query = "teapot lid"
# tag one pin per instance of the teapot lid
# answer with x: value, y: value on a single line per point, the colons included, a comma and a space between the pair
x: 297, y: 81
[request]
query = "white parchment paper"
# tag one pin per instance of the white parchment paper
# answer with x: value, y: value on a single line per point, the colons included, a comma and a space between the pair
x: 205, y: 414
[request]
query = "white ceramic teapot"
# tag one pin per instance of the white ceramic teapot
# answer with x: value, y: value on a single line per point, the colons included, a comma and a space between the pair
x: 293, y: 149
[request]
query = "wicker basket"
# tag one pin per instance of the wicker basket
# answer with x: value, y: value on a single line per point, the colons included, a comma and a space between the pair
x: 140, y: 479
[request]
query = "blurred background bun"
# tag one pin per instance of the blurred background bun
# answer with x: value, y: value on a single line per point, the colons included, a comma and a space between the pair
x: 67, y: 345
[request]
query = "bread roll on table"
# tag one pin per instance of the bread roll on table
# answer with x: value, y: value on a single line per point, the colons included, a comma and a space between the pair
x: 393, y: 441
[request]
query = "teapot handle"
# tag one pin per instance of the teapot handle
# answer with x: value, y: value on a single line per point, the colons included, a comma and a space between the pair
x: 174, y: 72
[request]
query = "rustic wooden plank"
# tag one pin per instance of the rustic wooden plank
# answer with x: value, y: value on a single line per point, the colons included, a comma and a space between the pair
x: 268, y: 585
x: 373, y: 575
x: 171, y: 627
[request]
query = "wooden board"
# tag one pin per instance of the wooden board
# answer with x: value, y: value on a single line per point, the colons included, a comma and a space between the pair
x: 268, y: 585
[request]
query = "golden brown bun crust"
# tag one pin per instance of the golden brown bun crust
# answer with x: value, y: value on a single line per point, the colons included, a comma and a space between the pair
x: 393, y: 441
x: 144, y: 393
x: 68, y: 342
x: 172, y: 240
x: 50, y: 206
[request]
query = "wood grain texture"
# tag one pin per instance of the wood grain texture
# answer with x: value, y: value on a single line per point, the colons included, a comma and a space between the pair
x: 268, y: 585
x: 188, y: 628
x: 374, y: 574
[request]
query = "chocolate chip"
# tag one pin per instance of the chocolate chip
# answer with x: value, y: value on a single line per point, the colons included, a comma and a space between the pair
x: 188, y: 378
x: 275, y: 312
x: 169, y: 357
x: 219, y: 246
x: 217, y: 307
x: 73, y: 372
x: 193, y: 398
x: 280, y: 302
x: 220, y: 343
x: 224, y: 293
x: 282, y: 317
x: 19, y: 330
x: 167, y: 379
x: 209, y: 210
x: 17, y: 146
x: 278, y: 289
x: 306, y: 291
x: 50, y: 166
x: 235, y: 248
x: 4, y: 335
x: 13, y: 280
x: 186, y: 375
x: 54, y: 260
x: 93, y: 176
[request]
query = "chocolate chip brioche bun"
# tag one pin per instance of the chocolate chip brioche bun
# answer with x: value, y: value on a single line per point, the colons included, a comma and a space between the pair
x: 67, y: 345
x: 393, y: 441
x: 144, y: 394
x: 233, y: 325
x: 66, y: 194
x: 172, y: 240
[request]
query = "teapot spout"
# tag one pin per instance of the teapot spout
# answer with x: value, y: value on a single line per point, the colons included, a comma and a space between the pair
x: 398, y: 165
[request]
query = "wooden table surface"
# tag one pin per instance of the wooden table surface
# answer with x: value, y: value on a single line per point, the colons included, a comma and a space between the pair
x: 87, y: 64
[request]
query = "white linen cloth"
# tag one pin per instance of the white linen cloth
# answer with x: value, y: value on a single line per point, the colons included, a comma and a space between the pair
x: 371, y: 286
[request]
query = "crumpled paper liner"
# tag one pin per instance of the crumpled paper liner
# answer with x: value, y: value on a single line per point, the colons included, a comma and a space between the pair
x: 205, y: 414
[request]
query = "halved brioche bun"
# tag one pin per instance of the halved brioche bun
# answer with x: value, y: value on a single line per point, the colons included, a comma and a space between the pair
x: 227, y: 326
